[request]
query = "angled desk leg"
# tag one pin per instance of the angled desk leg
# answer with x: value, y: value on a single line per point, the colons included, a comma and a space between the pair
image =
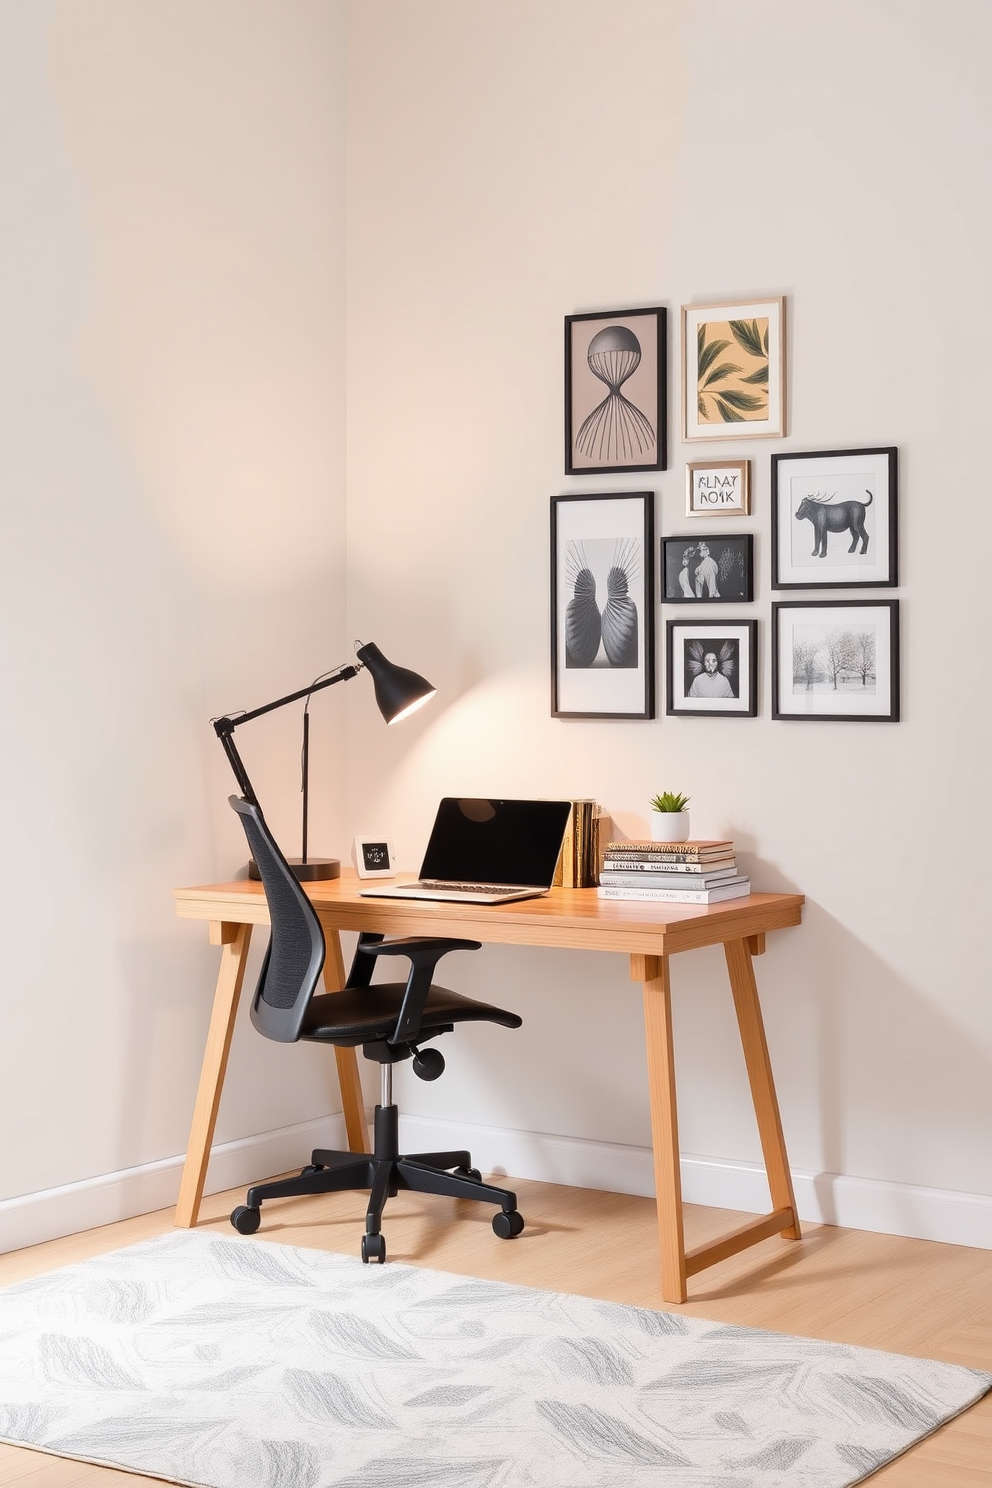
x: 234, y: 941
x: 759, y: 1073
x: 352, y: 1100
x: 653, y: 972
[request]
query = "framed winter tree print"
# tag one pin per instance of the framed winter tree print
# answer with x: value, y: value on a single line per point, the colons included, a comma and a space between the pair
x: 602, y: 618
x: 733, y: 370
x: 836, y: 659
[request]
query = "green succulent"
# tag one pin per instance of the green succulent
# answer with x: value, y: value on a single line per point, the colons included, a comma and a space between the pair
x: 669, y: 801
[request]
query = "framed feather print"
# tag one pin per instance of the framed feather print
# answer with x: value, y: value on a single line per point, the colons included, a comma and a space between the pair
x: 733, y: 370
x: 602, y: 617
x: 712, y: 668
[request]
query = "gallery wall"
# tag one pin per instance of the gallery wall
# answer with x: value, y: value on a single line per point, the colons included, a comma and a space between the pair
x: 512, y: 165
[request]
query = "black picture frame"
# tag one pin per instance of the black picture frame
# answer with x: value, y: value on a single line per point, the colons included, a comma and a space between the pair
x: 835, y: 660
x: 602, y: 605
x: 625, y: 353
x: 822, y: 542
x: 716, y: 568
x: 728, y: 688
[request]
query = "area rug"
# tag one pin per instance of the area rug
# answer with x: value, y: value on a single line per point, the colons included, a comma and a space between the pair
x: 243, y: 1364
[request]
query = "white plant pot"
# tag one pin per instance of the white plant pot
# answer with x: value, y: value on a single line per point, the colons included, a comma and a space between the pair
x: 669, y: 826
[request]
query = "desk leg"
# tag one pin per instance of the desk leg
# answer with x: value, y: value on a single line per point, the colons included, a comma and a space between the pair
x: 653, y: 972
x: 352, y: 1100
x: 234, y: 941
x: 759, y: 1073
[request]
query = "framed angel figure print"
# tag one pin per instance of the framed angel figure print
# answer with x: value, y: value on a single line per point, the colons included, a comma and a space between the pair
x: 712, y: 668
x: 616, y: 391
x: 602, y: 616
x: 733, y: 370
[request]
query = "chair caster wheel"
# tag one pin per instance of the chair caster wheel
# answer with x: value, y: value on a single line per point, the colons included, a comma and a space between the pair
x: 508, y: 1223
x: 246, y: 1221
x: 373, y: 1248
x: 472, y: 1173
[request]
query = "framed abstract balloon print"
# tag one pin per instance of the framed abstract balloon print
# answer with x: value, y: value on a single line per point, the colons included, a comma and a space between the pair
x: 602, y: 614
x: 733, y: 370
x: 616, y: 396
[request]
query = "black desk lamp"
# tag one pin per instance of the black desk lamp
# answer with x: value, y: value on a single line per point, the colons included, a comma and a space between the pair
x: 398, y: 693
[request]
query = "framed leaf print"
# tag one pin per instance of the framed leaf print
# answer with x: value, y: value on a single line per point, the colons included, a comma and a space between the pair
x: 733, y: 370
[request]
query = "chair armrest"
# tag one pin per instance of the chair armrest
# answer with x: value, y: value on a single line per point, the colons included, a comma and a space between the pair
x: 423, y: 952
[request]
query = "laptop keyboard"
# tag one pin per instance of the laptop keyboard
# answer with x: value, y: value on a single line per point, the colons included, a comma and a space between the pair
x: 469, y: 888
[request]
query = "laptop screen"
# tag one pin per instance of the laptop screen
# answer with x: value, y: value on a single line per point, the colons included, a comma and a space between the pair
x: 482, y: 841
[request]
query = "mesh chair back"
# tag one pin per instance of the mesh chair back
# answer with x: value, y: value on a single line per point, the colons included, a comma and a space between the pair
x: 295, y: 955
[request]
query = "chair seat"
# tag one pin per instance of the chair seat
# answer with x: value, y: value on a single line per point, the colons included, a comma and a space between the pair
x: 365, y: 1014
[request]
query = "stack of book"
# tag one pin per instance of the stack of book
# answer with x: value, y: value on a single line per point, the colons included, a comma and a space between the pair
x: 700, y: 872
x: 581, y: 849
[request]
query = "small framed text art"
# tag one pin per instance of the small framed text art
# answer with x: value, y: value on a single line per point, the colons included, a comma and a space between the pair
x: 615, y: 391
x: 710, y: 570
x: 374, y: 857
x: 718, y: 488
x: 712, y: 668
x: 733, y: 370
x: 602, y: 593
x: 834, y: 520
x: 836, y: 660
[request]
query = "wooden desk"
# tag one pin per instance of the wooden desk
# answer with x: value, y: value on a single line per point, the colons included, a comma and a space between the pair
x: 574, y: 919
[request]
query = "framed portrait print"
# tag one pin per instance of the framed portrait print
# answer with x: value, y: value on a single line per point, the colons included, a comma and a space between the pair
x: 834, y: 520
x: 602, y: 594
x: 733, y: 370
x: 712, y: 668
x: 718, y: 488
x: 710, y: 570
x: 836, y: 659
x: 615, y: 391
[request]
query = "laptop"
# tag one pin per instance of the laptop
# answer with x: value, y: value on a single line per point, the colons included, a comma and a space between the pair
x: 487, y: 852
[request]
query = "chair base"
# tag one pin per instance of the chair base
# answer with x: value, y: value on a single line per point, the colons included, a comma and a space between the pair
x: 384, y: 1172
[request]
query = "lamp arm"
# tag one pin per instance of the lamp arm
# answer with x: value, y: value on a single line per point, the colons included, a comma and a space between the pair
x: 224, y: 727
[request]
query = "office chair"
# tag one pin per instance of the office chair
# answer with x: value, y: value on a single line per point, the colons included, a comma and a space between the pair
x: 390, y: 1020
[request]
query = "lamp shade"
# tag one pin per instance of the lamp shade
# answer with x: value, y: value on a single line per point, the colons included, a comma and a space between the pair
x: 398, y: 691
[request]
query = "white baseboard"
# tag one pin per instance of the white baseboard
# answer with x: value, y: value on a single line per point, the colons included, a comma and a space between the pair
x: 33, y: 1218
x: 822, y: 1198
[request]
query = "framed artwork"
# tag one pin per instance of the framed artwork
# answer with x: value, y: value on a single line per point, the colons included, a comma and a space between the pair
x: 616, y: 396
x: 836, y: 659
x: 710, y: 570
x: 733, y: 370
x: 834, y: 520
x: 718, y: 488
x: 602, y: 594
x: 712, y: 668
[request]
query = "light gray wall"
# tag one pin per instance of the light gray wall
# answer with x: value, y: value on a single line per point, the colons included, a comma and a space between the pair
x: 511, y: 164
x: 172, y: 497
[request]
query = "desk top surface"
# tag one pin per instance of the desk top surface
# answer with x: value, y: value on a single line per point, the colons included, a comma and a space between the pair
x: 565, y: 918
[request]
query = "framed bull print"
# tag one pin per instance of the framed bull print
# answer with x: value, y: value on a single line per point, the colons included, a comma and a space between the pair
x: 836, y: 659
x: 834, y: 520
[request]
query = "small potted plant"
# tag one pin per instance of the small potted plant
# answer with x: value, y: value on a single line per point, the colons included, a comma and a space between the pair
x: 669, y: 818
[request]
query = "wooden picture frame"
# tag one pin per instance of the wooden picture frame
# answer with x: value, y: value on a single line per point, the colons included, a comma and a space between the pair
x: 602, y: 606
x: 733, y: 370
x: 834, y: 519
x: 718, y: 488
x: 715, y: 569
x: 712, y: 668
x: 836, y: 660
x: 624, y: 355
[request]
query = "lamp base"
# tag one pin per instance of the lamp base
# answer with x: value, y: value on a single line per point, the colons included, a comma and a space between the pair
x: 308, y: 872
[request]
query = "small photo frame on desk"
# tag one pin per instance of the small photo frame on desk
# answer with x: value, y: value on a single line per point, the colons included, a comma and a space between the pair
x: 374, y: 857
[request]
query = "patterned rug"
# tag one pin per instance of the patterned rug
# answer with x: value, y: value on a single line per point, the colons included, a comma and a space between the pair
x: 244, y: 1364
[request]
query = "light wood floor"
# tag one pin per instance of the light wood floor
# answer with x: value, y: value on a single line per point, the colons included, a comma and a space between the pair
x: 907, y: 1296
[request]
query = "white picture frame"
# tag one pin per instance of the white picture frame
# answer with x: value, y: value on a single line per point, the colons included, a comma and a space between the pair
x: 374, y: 857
